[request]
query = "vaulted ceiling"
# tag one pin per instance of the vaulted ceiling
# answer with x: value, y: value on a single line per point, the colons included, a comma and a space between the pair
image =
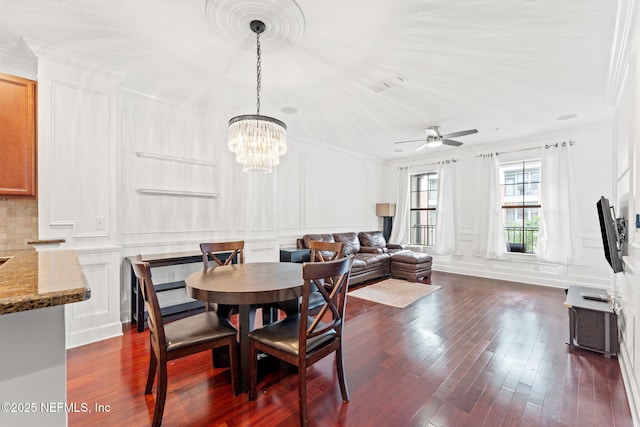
x: 359, y: 74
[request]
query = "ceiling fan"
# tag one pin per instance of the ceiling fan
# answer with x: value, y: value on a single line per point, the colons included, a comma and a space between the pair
x: 435, y: 138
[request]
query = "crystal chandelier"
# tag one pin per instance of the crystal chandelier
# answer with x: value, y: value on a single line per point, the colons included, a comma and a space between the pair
x: 258, y: 141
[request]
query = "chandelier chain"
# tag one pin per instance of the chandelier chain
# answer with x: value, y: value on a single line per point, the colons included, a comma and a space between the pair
x: 258, y: 73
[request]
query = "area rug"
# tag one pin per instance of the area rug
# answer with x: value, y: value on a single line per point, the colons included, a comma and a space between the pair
x: 394, y: 292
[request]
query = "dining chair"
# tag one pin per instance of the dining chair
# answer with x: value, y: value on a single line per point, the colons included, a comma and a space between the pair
x: 212, y: 252
x: 183, y: 337
x: 304, y: 339
x: 319, y: 252
x: 324, y: 251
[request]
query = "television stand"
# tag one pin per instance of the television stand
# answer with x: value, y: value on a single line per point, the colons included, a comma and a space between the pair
x: 593, y: 325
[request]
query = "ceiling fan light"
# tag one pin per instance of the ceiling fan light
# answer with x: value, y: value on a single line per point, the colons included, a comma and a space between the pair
x: 433, y: 143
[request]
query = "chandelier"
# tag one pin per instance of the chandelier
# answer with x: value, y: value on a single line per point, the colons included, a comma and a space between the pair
x: 258, y: 141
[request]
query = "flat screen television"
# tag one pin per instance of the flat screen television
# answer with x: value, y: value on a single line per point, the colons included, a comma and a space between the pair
x: 612, y: 234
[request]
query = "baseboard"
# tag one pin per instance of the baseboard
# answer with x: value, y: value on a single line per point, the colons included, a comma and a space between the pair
x: 89, y: 336
x: 513, y: 277
x: 630, y: 384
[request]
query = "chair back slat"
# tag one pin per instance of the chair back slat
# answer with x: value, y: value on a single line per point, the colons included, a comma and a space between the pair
x: 324, y: 251
x: 334, y: 298
x: 213, y: 250
x: 142, y: 271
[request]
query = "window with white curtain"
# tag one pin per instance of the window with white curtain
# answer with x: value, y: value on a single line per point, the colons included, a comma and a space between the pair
x: 521, y: 203
x: 424, y: 202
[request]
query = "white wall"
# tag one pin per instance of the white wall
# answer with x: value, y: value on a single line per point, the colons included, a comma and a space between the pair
x: 592, y: 165
x: 624, y: 89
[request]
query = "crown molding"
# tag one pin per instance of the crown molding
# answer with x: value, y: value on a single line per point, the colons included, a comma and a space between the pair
x: 20, y: 60
x: 64, y: 57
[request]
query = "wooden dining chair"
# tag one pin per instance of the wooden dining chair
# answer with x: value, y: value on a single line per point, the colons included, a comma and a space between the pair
x: 320, y: 252
x: 304, y: 339
x: 212, y: 252
x: 183, y: 337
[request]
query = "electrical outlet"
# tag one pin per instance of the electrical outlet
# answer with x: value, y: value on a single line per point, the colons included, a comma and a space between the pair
x: 172, y: 276
x: 100, y: 223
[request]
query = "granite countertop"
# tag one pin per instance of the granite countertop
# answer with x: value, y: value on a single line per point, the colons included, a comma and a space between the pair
x: 31, y: 280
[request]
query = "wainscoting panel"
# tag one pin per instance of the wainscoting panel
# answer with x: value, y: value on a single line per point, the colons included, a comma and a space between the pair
x: 98, y: 317
x: 81, y: 146
x: 291, y: 181
x: 335, y: 191
x: 263, y: 250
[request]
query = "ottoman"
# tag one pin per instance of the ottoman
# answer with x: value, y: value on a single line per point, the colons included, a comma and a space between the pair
x: 412, y: 266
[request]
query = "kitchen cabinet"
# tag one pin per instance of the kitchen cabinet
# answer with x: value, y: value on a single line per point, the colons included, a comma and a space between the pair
x: 17, y: 137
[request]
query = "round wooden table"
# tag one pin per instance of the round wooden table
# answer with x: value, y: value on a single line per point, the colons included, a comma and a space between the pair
x: 246, y: 285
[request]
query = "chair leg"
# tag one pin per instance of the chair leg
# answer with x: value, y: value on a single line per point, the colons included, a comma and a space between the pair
x: 253, y: 370
x: 341, y: 377
x: 233, y: 364
x: 161, y: 394
x: 267, y: 315
x: 153, y: 363
x: 302, y: 395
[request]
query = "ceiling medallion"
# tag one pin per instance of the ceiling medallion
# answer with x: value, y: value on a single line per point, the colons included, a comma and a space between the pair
x: 286, y: 23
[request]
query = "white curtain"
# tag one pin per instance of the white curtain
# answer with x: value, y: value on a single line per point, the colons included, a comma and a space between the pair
x: 400, y: 230
x: 446, y: 239
x: 489, y: 241
x: 559, y: 235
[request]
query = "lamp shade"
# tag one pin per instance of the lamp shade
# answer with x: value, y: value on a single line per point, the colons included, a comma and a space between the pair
x: 385, y: 209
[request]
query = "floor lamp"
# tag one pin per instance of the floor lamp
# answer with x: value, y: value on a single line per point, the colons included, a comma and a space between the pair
x: 387, y: 211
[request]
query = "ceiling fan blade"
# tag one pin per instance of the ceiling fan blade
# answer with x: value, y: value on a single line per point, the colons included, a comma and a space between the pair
x: 412, y: 140
x: 421, y: 147
x: 460, y: 133
x: 451, y: 142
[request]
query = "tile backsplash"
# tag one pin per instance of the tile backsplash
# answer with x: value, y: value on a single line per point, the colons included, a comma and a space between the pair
x: 18, y: 223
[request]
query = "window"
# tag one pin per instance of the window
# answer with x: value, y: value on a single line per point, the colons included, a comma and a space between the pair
x: 520, y: 190
x: 424, y: 201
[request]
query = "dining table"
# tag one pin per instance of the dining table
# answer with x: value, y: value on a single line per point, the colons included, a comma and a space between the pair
x: 246, y: 285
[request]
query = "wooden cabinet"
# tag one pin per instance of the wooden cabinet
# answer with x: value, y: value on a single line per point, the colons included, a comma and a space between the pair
x: 294, y: 255
x: 17, y: 137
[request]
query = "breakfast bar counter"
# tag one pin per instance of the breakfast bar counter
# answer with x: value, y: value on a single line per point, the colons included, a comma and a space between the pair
x: 30, y: 280
x: 35, y: 287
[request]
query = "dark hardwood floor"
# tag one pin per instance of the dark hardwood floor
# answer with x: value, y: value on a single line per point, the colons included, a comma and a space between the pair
x: 477, y: 352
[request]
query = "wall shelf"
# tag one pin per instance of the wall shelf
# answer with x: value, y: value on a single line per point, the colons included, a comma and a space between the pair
x: 175, y: 159
x: 178, y: 193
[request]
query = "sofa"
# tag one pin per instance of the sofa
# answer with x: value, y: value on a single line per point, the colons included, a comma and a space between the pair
x: 374, y: 258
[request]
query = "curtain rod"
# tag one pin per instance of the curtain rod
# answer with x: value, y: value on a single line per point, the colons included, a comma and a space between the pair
x: 547, y: 146
x: 497, y: 153
x: 434, y: 163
